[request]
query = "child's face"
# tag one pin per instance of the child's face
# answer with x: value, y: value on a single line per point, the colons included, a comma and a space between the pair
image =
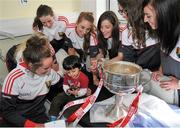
x: 47, y: 21
x: 73, y: 73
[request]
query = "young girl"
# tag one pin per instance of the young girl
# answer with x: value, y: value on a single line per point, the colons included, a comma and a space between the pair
x: 46, y: 22
x: 75, y: 85
x: 25, y: 88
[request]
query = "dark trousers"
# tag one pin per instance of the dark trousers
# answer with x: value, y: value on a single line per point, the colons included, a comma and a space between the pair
x: 59, y: 102
x: 148, y: 57
x: 57, y: 44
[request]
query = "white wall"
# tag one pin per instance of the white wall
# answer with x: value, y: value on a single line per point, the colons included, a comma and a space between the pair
x: 17, y: 19
x: 101, y: 6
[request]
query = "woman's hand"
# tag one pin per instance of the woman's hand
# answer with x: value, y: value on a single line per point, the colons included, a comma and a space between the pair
x: 71, y: 51
x: 170, y: 84
x: 157, y: 75
x: 93, y: 65
x: 95, y: 80
x: 35, y: 29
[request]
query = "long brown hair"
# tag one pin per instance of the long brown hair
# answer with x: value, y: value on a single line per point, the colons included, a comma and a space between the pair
x: 89, y: 17
x: 134, y: 10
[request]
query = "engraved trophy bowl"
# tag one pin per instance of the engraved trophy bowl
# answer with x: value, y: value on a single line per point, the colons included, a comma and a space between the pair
x: 122, y: 78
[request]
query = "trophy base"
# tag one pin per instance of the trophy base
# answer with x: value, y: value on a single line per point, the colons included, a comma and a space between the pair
x: 115, y: 112
x: 108, y: 113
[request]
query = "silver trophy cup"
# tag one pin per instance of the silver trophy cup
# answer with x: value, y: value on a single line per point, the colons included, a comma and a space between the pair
x: 122, y: 78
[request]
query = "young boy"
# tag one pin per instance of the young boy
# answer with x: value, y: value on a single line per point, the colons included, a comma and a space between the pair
x: 75, y: 85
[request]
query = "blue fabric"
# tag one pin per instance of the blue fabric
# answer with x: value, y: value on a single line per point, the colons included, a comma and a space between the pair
x: 146, y: 120
x: 175, y: 108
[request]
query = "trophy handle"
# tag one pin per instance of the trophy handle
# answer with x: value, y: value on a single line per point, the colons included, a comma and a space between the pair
x: 148, y: 74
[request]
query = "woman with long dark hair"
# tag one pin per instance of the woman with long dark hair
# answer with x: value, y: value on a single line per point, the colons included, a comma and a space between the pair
x: 138, y: 45
x: 109, y: 35
x: 163, y: 16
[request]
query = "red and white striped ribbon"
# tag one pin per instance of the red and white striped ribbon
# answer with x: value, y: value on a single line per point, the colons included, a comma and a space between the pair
x: 87, y: 104
x: 122, y: 122
x: 89, y: 101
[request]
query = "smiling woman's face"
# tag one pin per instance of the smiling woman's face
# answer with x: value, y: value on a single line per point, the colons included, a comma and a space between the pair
x: 83, y: 27
x: 106, y: 28
x: 150, y: 16
x: 47, y: 21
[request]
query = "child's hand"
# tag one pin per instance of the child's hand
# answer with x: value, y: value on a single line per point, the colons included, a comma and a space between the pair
x: 69, y: 91
x: 78, y: 85
x: 88, y: 92
x: 75, y: 92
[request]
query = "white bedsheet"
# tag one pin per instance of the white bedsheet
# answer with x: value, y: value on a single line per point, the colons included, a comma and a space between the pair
x: 152, y: 112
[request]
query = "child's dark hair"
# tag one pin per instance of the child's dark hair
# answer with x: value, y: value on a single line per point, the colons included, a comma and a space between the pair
x: 72, y: 62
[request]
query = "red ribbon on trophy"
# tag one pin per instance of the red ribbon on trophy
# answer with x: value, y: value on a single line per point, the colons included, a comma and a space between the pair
x: 132, y: 110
